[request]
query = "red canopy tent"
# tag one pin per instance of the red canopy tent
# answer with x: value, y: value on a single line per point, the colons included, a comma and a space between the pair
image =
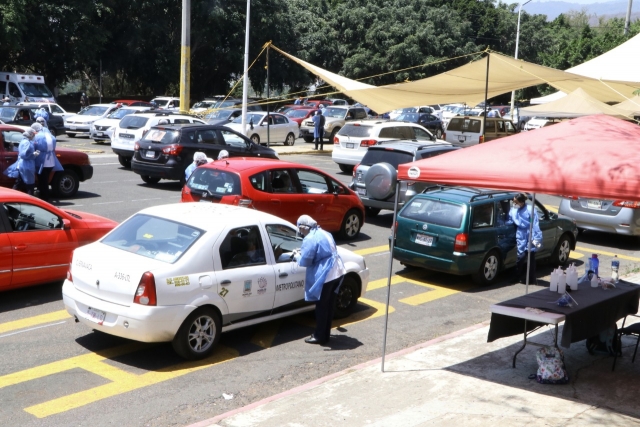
x: 593, y: 156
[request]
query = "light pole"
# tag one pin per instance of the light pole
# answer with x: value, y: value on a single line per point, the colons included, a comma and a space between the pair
x: 245, y: 81
x: 513, y: 92
x: 185, y: 57
x: 628, y: 18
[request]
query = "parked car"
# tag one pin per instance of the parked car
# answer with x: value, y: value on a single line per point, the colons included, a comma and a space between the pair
x: 170, y: 103
x: 65, y: 183
x: 285, y: 189
x: 283, y: 109
x: 205, y: 105
x: 52, y: 108
x: 24, y: 115
x: 608, y: 216
x: 462, y: 231
x: 466, y: 131
x: 299, y: 114
x: 281, y: 129
x: 102, y: 129
x: 335, y: 119
x: 338, y: 101
x: 429, y: 121
x: 316, y: 103
x: 174, y: 273
x: 166, y: 150
x: 81, y: 122
x: 220, y: 117
x: 38, y: 238
x: 376, y: 176
x: 133, y: 127
x: 133, y: 103
x: 352, y: 141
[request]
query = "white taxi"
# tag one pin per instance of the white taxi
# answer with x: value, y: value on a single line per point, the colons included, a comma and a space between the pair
x: 187, y: 272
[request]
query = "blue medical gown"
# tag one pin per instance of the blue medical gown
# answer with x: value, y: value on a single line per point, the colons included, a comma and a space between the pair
x: 320, y: 256
x: 189, y: 170
x: 40, y: 143
x: 26, y: 164
x: 521, y: 217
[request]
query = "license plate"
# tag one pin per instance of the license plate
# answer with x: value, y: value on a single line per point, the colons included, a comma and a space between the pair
x: 362, y: 191
x: 421, y: 239
x: 350, y: 145
x: 462, y: 138
x: 72, y: 127
x: 99, y: 133
x: 150, y: 154
x: 594, y: 204
x: 97, y: 316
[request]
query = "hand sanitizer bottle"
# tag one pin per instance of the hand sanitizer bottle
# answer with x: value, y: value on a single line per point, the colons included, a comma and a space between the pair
x: 615, y: 269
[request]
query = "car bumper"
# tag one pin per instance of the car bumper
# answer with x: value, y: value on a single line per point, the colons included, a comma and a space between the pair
x: 347, y: 156
x: 136, y: 322
x: 86, y: 172
x: 626, y: 222
x: 459, y: 264
x: 100, y: 135
x: 78, y: 128
x: 122, y: 152
x: 157, y: 171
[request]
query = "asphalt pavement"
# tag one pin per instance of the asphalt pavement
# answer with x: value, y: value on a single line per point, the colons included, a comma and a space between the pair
x: 458, y: 379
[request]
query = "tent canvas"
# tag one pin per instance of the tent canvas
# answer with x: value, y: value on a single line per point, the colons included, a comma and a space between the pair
x: 620, y: 63
x: 548, y: 98
x: 631, y: 105
x: 577, y: 103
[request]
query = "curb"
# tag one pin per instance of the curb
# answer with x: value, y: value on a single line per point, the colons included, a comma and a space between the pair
x: 308, y: 386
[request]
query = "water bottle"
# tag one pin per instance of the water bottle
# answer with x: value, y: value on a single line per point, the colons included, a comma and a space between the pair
x: 615, y: 268
x: 594, y: 262
x: 562, y: 282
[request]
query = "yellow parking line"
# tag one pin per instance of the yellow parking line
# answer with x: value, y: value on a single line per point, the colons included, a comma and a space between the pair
x: 266, y: 333
x: 575, y: 255
x: 33, y: 321
x: 375, y: 249
x: 551, y: 208
x: 424, y: 297
x: 598, y: 251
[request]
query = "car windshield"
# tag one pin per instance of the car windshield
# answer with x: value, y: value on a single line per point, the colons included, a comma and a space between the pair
x: 297, y: 114
x: 392, y: 157
x: 36, y: 89
x: 227, y: 103
x: 151, y: 237
x: 120, y: 113
x: 11, y: 139
x: 408, y: 117
x: 463, y: 124
x: 356, y: 130
x: 93, y: 110
x: 220, y: 114
x: 204, y: 104
x: 336, y: 113
x: 7, y: 114
x: 214, y: 183
x: 436, y: 212
x: 161, y: 136
x: 256, y: 118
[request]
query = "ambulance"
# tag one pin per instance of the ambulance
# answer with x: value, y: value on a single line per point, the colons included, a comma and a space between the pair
x: 24, y: 88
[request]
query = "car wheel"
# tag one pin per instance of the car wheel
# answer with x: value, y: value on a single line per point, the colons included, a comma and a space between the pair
x: 351, y: 225
x: 371, y: 211
x: 439, y: 133
x: 125, y: 161
x: 333, y: 134
x: 255, y: 138
x: 560, y: 255
x: 488, y: 271
x: 345, y: 168
x: 198, y: 334
x: 65, y: 183
x: 54, y: 131
x: 71, y: 134
x: 150, y: 180
x: 307, y: 138
x: 291, y: 139
x: 347, y: 298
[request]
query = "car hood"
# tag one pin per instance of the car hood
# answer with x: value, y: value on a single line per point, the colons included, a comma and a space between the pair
x: 82, y: 118
x: 106, y: 122
x: 91, y: 220
x: 351, y: 260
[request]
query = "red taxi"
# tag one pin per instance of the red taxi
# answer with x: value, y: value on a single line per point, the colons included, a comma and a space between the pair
x: 284, y: 189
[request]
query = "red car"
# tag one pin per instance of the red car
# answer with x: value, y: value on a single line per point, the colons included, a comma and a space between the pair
x: 284, y: 189
x: 133, y: 103
x: 299, y: 114
x: 289, y: 107
x: 37, y: 239
x: 316, y: 103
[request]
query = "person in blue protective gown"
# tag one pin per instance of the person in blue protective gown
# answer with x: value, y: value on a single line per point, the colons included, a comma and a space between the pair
x: 24, y: 170
x: 324, y: 274
x: 318, y: 129
x: 520, y: 216
x: 46, y: 161
x: 199, y: 159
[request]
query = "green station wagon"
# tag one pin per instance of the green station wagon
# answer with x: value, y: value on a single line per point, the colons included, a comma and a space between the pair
x: 462, y: 231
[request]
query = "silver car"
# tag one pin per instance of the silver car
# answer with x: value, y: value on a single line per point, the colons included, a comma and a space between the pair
x: 609, y: 216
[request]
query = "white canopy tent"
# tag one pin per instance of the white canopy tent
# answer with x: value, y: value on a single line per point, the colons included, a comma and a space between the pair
x: 577, y: 104
x: 548, y: 98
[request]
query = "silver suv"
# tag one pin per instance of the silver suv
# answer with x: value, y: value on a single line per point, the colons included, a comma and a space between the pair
x: 335, y: 118
x: 374, y: 179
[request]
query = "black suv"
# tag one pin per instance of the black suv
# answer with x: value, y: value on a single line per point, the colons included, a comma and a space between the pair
x: 165, y: 151
x: 374, y: 179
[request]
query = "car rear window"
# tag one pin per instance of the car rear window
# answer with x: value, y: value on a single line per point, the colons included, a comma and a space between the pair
x: 435, y: 212
x: 214, y: 183
x: 161, y: 136
x: 356, y: 130
x: 392, y: 157
x: 155, y: 238
x: 133, y: 122
x: 464, y: 124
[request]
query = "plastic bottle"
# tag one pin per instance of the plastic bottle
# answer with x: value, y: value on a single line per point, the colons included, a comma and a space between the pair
x: 553, y: 282
x: 562, y: 282
x: 594, y: 281
x: 594, y: 262
x: 615, y: 269
x: 572, y: 278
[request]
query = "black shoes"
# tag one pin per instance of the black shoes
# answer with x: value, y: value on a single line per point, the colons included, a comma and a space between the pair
x: 314, y: 340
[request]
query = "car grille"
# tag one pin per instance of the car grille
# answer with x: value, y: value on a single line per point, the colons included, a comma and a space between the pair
x: 102, y: 127
x: 125, y: 135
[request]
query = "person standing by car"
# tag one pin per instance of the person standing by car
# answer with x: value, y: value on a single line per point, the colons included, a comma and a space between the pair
x: 199, y: 159
x: 46, y: 161
x: 24, y: 170
x: 324, y: 275
x: 318, y: 129
x: 84, y: 100
x: 520, y: 216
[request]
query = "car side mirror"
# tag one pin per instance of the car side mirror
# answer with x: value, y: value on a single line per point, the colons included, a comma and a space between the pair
x: 66, y: 224
x: 338, y: 190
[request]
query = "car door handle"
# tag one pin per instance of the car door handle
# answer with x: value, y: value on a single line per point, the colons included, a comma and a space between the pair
x: 20, y: 247
x: 283, y: 275
x: 225, y: 282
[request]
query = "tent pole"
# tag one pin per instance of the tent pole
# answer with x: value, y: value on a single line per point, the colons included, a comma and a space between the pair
x: 531, y: 219
x: 386, y: 312
x: 486, y: 93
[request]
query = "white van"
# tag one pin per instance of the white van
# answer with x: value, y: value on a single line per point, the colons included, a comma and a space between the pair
x: 24, y: 88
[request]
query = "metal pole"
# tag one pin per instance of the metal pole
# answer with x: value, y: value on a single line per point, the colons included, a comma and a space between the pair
x: 386, y: 312
x: 531, y: 219
x: 268, y: 96
x: 245, y: 81
x: 628, y: 18
x: 486, y: 92
x: 513, y: 92
x: 185, y: 57
x: 100, y: 81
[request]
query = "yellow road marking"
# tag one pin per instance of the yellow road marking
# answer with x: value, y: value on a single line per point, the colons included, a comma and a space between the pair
x: 122, y: 381
x: 598, y: 251
x: 33, y: 321
x: 266, y: 333
x: 373, y: 250
x: 551, y: 208
x: 424, y: 297
x: 376, y: 309
x: 575, y: 255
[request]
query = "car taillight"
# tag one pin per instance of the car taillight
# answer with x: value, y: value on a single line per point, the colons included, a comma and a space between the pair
x: 69, y: 275
x: 136, y: 147
x: 146, y: 292
x: 462, y: 243
x: 627, y: 204
x: 481, y: 139
x: 571, y: 197
x: 354, y: 170
x: 144, y: 132
x: 394, y: 229
x: 368, y: 142
x: 444, y: 136
x: 336, y: 140
x: 172, y: 150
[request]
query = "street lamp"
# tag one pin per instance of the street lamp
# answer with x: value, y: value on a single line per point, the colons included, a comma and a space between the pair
x: 245, y: 81
x: 513, y: 92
